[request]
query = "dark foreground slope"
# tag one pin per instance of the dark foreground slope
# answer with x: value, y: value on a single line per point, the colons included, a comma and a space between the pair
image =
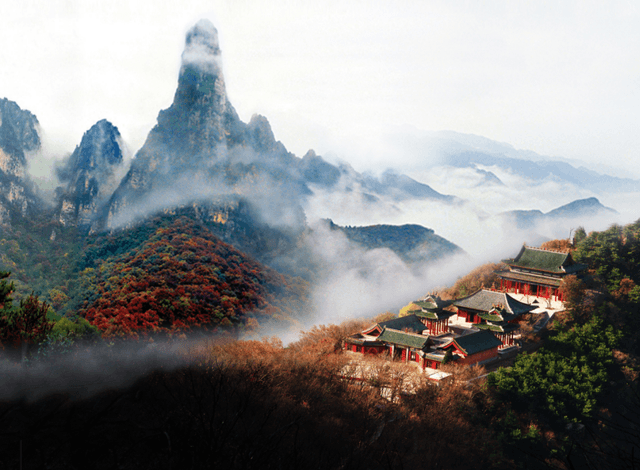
x: 250, y: 405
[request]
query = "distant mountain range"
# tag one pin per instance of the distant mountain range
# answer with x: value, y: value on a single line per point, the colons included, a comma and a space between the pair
x: 576, y: 210
x: 457, y: 150
x: 537, y: 171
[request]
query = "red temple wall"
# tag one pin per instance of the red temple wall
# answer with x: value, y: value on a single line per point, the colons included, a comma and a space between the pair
x: 468, y: 316
x: 478, y: 357
x: 546, y: 292
x: 364, y: 349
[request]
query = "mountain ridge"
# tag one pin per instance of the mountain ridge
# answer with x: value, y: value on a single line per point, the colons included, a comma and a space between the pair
x: 528, y: 219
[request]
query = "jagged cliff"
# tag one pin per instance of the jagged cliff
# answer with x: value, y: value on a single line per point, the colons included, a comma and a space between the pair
x: 200, y: 151
x: 92, y: 173
x: 18, y: 136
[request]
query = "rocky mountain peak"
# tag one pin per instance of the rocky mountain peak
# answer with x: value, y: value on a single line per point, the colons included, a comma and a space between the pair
x: 98, y: 149
x: 192, y: 135
x: 91, y: 173
x: 18, y: 134
x: 200, y: 150
x: 200, y: 111
x: 18, y: 129
x: 259, y: 133
x: 202, y: 49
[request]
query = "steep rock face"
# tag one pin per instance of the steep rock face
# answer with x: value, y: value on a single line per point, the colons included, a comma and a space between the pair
x: 201, y: 115
x: 202, y: 159
x: 233, y: 176
x: 199, y: 147
x: 91, y: 173
x: 18, y: 136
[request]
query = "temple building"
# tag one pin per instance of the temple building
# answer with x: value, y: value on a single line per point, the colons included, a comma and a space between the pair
x: 538, y: 272
x: 486, y: 323
x: 433, y: 315
x: 408, y: 339
x: 497, y: 312
x: 401, y: 338
x: 474, y: 348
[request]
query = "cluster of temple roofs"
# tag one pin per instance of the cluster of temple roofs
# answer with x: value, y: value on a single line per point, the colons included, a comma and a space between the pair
x: 487, y: 322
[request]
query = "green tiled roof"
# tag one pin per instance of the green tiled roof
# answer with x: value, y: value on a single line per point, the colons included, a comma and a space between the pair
x: 488, y: 326
x: 403, y: 339
x: 477, y: 342
x: 434, y: 314
x: 486, y: 300
x: 529, y: 278
x: 498, y: 327
x: 423, y: 304
x: 542, y: 260
x: 490, y: 317
x: 409, y: 322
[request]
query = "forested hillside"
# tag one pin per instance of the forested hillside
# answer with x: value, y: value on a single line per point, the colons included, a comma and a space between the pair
x: 581, y: 389
x: 414, y: 244
x: 174, y: 274
x: 167, y: 274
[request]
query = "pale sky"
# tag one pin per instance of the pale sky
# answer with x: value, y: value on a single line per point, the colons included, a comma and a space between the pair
x: 560, y: 78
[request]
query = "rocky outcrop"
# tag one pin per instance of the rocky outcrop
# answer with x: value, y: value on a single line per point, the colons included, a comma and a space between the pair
x: 18, y: 137
x: 92, y: 173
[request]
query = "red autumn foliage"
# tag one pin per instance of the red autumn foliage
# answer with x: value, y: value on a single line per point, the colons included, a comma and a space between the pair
x: 183, y: 277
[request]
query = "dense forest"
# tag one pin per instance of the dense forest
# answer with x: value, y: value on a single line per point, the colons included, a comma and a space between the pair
x: 570, y: 400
